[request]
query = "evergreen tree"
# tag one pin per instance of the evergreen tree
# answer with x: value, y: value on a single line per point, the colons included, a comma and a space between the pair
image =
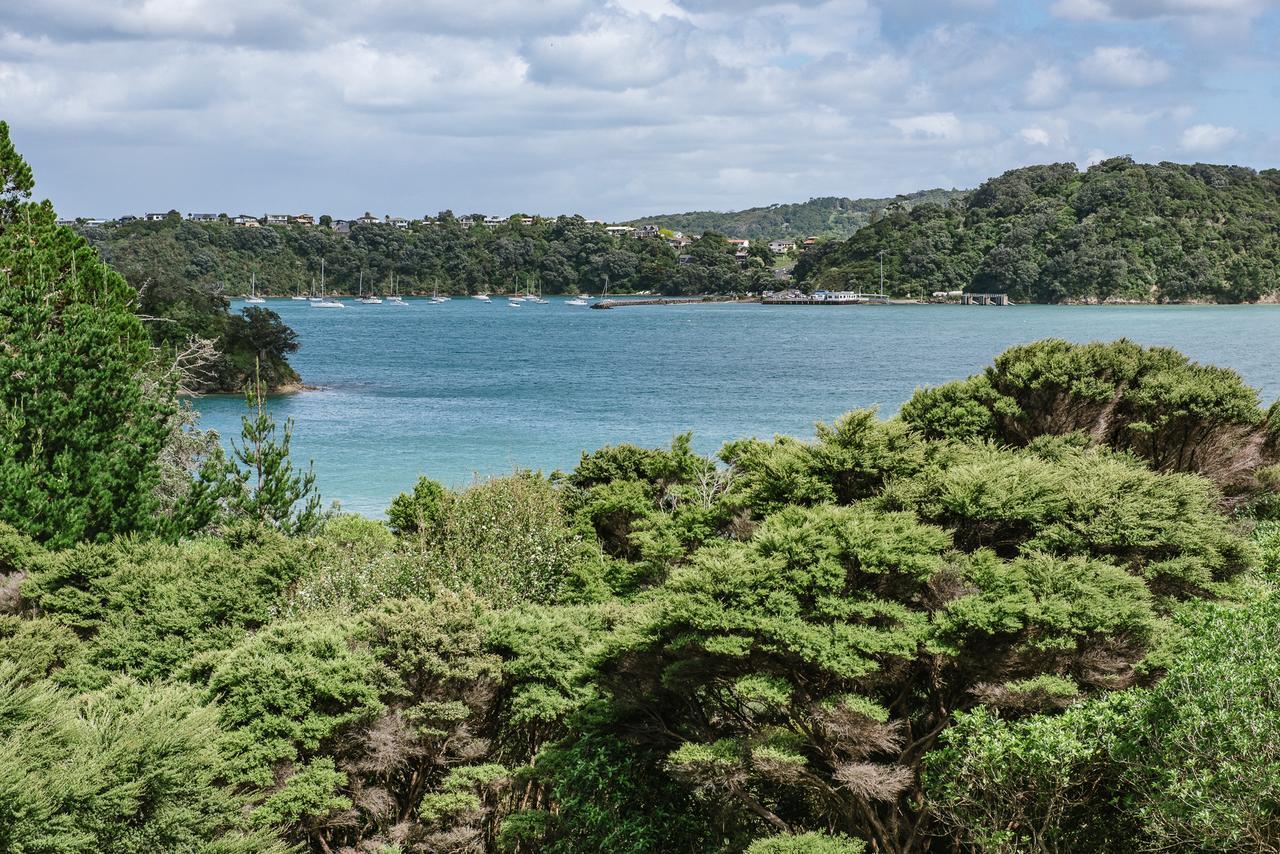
x: 270, y: 489
x: 79, y: 429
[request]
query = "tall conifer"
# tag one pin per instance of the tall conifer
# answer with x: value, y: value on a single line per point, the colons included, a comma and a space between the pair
x: 79, y: 432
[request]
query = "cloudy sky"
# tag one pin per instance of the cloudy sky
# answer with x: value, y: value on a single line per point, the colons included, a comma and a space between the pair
x: 613, y: 108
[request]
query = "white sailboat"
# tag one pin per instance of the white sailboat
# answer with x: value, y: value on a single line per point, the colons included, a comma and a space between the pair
x: 299, y: 296
x: 481, y: 297
x: 371, y: 299
x: 435, y: 294
x: 395, y: 299
x: 252, y: 291
x: 325, y: 301
x: 538, y: 300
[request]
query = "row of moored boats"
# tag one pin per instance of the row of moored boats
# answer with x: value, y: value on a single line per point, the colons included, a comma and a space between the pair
x: 326, y: 301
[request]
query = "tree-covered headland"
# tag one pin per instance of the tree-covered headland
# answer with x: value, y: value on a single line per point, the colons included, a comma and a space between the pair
x: 1036, y: 611
x: 562, y: 255
x: 1118, y: 231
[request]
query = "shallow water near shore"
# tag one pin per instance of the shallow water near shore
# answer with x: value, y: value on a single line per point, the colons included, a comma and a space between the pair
x: 466, y: 389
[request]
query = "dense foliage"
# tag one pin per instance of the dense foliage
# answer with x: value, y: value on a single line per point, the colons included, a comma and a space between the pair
x: 83, y: 410
x: 1019, y: 617
x: 1153, y: 403
x: 206, y: 262
x: 1119, y: 231
x: 829, y: 216
x: 868, y: 639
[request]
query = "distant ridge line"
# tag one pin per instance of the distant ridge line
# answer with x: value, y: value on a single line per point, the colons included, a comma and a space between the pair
x: 824, y: 216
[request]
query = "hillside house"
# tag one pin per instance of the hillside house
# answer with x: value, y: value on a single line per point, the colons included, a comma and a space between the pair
x: 154, y: 217
x: 246, y: 221
x: 781, y: 247
x: 304, y: 219
x: 647, y: 231
x: 202, y: 217
x: 277, y: 219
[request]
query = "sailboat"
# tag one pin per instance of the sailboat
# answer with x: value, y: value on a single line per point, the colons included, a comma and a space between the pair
x: 325, y: 301
x: 253, y: 291
x: 299, y: 296
x: 371, y: 299
x: 435, y: 294
x: 538, y: 300
x: 395, y: 299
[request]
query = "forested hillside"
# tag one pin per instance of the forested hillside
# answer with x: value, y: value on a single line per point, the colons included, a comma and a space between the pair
x: 1119, y: 231
x: 828, y: 216
x: 187, y: 316
x: 564, y: 255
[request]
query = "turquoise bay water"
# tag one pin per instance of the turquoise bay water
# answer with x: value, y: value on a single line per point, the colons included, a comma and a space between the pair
x: 467, y: 388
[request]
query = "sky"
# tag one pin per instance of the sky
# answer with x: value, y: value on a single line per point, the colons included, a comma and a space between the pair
x: 613, y: 108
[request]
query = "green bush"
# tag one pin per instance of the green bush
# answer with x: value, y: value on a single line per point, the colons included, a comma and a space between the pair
x: 125, y: 769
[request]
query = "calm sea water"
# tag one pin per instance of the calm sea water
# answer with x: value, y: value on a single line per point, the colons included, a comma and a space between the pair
x: 467, y: 388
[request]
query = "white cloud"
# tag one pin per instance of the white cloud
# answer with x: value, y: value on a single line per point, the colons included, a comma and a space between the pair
x: 509, y: 104
x: 617, y: 51
x: 1095, y: 156
x: 1129, y: 67
x: 1206, y: 137
x: 932, y: 125
x: 1082, y: 10
x: 1035, y: 135
x: 1046, y: 86
x: 1107, y: 10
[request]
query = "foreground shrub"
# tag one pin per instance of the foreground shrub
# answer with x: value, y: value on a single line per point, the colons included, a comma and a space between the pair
x: 129, y: 768
x: 1176, y: 415
x: 1189, y: 764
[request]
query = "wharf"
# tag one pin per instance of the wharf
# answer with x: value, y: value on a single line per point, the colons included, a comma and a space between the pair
x: 796, y: 300
x: 621, y: 303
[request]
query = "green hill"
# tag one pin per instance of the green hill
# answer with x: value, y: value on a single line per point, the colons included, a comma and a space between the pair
x: 829, y: 216
x: 1120, y: 231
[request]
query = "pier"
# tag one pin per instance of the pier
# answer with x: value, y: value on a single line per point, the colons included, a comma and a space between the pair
x: 620, y: 303
x: 833, y: 299
x: 984, y: 299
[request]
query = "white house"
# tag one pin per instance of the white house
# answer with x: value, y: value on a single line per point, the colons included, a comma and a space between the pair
x: 154, y: 217
x: 781, y: 247
x: 277, y: 219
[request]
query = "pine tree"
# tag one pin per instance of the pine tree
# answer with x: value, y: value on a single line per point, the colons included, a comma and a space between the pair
x: 79, y: 431
x: 270, y: 490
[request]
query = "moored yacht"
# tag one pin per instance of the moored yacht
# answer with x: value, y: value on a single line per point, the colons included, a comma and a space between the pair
x: 253, y: 291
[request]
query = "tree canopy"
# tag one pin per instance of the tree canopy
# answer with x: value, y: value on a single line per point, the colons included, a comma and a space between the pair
x: 1118, y: 231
